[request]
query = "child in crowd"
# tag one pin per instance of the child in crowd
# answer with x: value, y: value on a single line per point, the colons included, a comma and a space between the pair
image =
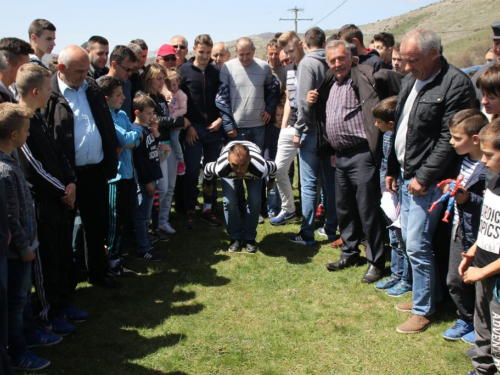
x: 481, y: 264
x: 14, y: 129
x: 399, y: 283
x: 464, y: 128
x: 147, y: 166
x: 178, y: 108
x: 128, y: 138
x: 489, y: 84
x: 270, y: 150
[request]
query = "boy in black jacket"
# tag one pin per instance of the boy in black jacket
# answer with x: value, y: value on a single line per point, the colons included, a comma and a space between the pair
x: 52, y: 184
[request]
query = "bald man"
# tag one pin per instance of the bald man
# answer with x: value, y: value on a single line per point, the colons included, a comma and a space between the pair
x: 180, y: 45
x: 220, y: 54
x: 77, y: 117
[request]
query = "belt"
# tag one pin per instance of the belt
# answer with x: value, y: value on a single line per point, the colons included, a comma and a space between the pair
x: 88, y: 167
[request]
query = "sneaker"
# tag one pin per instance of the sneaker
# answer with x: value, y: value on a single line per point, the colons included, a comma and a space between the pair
x: 252, y: 246
x: 261, y: 219
x: 270, y: 215
x: 181, y: 168
x: 331, y: 237
x: 234, y: 246
x: 405, y: 306
x: 190, y: 220
x: 58, y: 326
x: 416, y: 324
x: 43, y: 338
x: 161, y: 236
x: 458, y: 330
x: 210, y: 218
x: 282, y: 218
x: 400, y: 289
x: 29, y: 361
x: 120, y: 271
x: 150, y: 255
x: 73, y: 314
x: 153, y: 237
x: 470, y: 338
x: 302, y: 240
x: 167, y: 228
x: 387, y: 283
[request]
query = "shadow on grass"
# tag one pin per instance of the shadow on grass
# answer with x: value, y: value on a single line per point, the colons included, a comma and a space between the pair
x: 278, y: 245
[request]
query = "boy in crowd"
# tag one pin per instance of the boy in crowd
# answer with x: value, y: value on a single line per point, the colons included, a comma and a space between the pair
x: 464, y: 128
x: 399, y: 283
x: 147, y: 166
x: 14, y: 129
x: 119, y: 187
x: 384, y: 43
x: 481, y: 264
x: 42, y: 35
x: 52, y: 183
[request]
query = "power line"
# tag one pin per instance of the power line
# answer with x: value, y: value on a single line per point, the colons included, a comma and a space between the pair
x: 295, y: 10
x: 345, y: 1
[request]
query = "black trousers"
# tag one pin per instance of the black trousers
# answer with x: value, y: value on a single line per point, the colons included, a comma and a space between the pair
x: 92, y: 201
x: 54, y: 264
x: 118, y: 215
x: 357, y: 194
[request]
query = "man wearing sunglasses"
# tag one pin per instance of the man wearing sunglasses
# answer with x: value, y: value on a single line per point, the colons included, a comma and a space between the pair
x: 166, y: 57
x: 180, y: 45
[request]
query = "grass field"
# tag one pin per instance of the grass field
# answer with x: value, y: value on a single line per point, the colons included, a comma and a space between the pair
x: 204, y: 310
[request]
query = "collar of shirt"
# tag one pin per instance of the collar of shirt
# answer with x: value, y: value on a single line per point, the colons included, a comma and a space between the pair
x: 63, y: 87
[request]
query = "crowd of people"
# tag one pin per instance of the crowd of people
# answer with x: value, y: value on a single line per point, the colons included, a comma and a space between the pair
x: 390, y: 141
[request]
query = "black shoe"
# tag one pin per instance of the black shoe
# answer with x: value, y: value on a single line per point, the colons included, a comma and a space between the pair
x: 235, y: 246
x: 107, y: 282
x: 471, y: 352
x: 373, y: 273
x: 252, y: 246
x: 190, y: 220
x: 342, y: 263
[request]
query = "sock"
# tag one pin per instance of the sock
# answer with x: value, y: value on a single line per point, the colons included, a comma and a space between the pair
x: 207, y: 206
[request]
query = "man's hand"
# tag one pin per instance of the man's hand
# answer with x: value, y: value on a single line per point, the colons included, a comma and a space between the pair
x: 391, y: 184
x: 296, y: 141
x: 150, y: 190
x: 312, y: 97
x: 69, y: 195
x: 191, y: 136
x: 214, y: 126
x: 232, y: 133
x: 208, y: 189
x: 462, y: 196
x: 416, y: 189
x: 270, y: 184
x: 265, y: 117
x: 187, y: 123
x: 28, y: 257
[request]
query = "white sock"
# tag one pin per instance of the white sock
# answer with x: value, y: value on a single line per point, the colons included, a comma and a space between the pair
x: 207, y: 206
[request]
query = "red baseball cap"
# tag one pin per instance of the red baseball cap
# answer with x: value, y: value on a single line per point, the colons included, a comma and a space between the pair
x: 165, y: 50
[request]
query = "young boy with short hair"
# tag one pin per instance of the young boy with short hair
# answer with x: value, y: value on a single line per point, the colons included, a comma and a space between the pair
x: 14, y: 129
x: 147, y: 166
x: 481, y: 264
x: 464, y: 128
x: 52, y: 183
x: 42, y: 36
x: 120, y: 187
x: 399, y: 283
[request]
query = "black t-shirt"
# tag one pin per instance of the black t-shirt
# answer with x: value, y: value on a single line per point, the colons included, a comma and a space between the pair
x: 488, y: 237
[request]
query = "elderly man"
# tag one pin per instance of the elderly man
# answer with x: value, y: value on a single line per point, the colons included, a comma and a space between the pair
x: 220, y: 54
x: 273, y: 50
x: 180, y: 45
x: 166, y: 57
x: 350, y: 130
x: 86, y: 133
x: 98, y: 50
x: 421, y: 156
x: 240, y: 160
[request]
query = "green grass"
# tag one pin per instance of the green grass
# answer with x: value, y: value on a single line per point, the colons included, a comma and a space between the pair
x: 204, y: 310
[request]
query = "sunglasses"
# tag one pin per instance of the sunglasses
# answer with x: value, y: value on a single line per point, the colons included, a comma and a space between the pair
x: 128, y: 70
x: 179, y: 46
x: 169, y: 58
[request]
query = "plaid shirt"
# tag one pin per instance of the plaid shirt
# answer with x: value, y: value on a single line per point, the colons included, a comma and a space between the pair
x: 344, y: 117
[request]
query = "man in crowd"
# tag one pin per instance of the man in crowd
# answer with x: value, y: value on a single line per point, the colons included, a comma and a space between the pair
x: 273, y: 50
x: 352, y: 34
x: 42, y: 34
x: 398, y: 64
x: 384, y: 43
x: 220, y: 54
x: 180, y: 45
x: 98, y: 50
x: 166, y: 56
x: 16, y: 52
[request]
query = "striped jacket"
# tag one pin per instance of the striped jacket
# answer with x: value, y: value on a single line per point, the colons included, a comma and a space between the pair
x: 258, y: 168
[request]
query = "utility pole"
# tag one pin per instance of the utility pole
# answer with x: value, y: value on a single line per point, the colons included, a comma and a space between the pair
x: 295, y: 10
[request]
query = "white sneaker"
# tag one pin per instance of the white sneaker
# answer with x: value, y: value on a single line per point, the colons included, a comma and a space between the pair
x: 167, y: 228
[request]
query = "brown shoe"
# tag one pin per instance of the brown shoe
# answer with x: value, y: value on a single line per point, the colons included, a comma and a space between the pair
x: 405, y: 306
x: 416, y: 324
x: 337, y: 243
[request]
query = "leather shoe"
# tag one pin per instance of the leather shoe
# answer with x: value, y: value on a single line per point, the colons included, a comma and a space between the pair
x: 342, y: 263
x: 107, y: 282
x: 373, y: 273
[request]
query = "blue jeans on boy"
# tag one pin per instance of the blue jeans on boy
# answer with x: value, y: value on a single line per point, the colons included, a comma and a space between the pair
x: 417, y: 228
x: 310, y: 168
x: 142, y: 218
x: 273, y: 200
x: 400, y: 266
x: 176, y: 145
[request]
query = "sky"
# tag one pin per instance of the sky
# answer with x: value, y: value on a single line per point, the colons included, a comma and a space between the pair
x: 157, y: 21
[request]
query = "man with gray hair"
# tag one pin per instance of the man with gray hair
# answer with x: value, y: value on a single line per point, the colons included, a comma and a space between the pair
x: 180, y: 45
x: 349, y: 128
x: 421, y: 156
x: 220, y: 54
x: 78, y: 117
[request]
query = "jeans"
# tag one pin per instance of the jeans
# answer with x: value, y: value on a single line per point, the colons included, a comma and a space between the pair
x: 417, y: 228
x: 166, y: 187
x: 236, y: 227
x: 176, y: 145
x: 209, y: 145
x: 400, y: 267
x: 142, y: 219
x: 284, y: 159
x: 310, y: 168
x: 273, y: 200
x: 256, y: 135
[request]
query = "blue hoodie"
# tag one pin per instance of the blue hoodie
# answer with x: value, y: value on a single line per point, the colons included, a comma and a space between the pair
x: 127, y: 135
